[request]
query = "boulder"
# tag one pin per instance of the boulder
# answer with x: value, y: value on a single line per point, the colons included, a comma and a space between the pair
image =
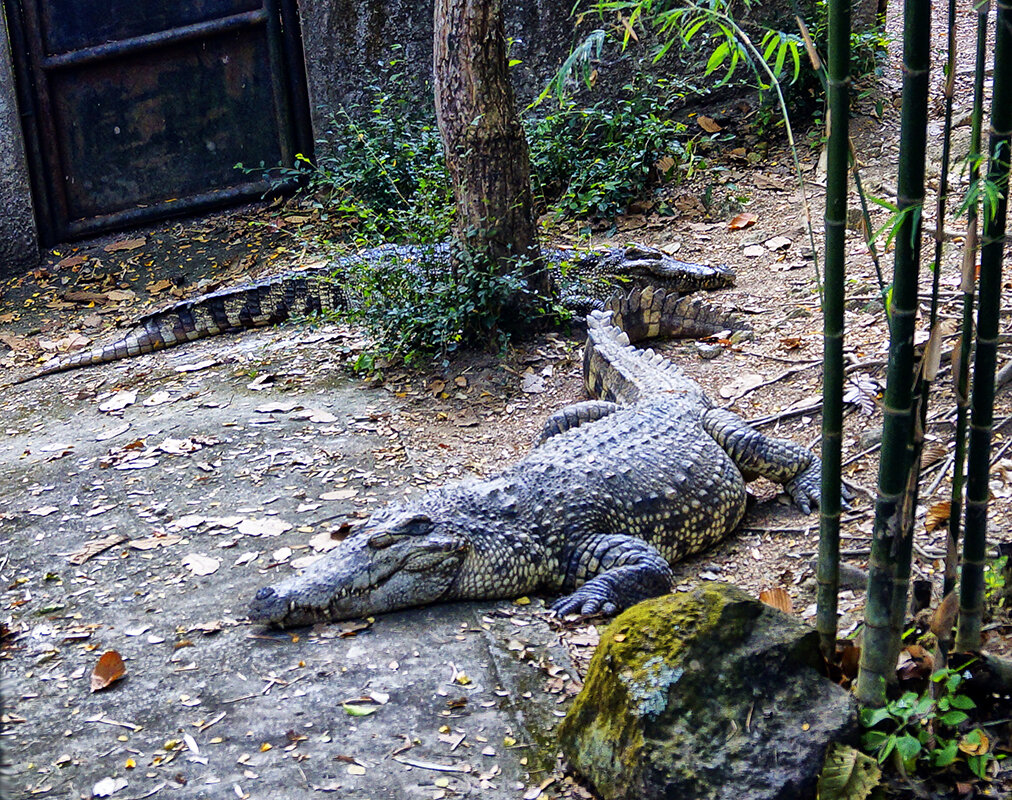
x: 706, y: 694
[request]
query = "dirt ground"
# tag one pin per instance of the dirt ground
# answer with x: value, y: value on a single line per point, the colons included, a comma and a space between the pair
x: 148, y: 499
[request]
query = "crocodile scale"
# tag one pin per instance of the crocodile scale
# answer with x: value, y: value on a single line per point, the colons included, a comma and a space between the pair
x: 621, y: 486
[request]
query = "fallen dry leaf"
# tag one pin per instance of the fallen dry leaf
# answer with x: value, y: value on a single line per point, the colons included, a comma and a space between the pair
x: 14, y: 342
x: 944, y: 615
x: 199, y: 365
x: 277, y: 407
x: 339, y: 494
x: 263, y: 527
x: 532, y: 383
x: 109, y: 669
x: 94, y: 547
x: 915, y: 663
x: 119, y: 401
x: 201, y: 565
x: 754, y: 251
x: 71, y: 261
x: 159, y: 286
x: 157, y: 399
x: 932, y: 453
x: 743, y: 220
x: 324, y: 541
x: 975, y: 748
x: 708, y: 124
x: 151, y: 542
x: 937, y: 516
x: 125, y: 244
x: 777, y: 598
x: 664, y: 164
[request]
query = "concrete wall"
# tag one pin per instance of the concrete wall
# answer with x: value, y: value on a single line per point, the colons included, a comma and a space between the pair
x: 18, y: 239
x: 345, y: 42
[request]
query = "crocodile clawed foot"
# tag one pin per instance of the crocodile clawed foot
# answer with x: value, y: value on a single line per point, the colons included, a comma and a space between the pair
x: 584, y: 603
x: 806, y: 490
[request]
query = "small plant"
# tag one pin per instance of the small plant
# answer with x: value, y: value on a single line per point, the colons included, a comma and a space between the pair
x: 922, y: 731
x: 994, y: 579
x: 594, y: 160
x: 422, y: 310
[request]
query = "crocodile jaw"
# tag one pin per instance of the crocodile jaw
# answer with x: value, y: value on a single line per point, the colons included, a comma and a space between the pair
x: 357, y: 579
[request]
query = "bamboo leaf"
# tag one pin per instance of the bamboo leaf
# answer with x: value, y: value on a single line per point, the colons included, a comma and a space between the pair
x: 778, y: 68
x: 717, y: 57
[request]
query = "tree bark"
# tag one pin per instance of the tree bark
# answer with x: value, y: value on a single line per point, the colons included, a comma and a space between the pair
x: 486, y: 151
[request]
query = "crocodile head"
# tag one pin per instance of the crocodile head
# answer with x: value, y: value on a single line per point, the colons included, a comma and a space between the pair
x: 398, y: 559
x: 649, y: 266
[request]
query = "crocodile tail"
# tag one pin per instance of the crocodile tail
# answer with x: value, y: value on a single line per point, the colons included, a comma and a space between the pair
x: 616, y: 371
x: 650, y: 312
x: 251, y: 306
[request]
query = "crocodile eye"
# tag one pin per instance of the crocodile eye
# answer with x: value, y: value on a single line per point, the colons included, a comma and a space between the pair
x: 381, y: 540
x: 414, y: 525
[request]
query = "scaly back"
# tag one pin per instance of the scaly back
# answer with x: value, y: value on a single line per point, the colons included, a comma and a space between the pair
x: 614, y: 370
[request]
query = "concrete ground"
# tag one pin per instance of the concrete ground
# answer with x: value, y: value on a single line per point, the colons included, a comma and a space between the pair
x: 144, y: 504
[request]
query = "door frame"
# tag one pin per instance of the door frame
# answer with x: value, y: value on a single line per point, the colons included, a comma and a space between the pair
x: 283, y: 31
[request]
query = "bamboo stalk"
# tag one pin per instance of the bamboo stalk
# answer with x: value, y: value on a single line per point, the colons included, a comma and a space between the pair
x: 971, y: 597
x: 837, y: 151
x: 890, y: 546
x: 968, y: 286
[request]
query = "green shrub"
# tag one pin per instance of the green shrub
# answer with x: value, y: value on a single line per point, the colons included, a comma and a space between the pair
x: 594, y: 160
x: 422, y: 310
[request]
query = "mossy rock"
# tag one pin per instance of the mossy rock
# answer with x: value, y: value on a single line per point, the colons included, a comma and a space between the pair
x: 705, y: 694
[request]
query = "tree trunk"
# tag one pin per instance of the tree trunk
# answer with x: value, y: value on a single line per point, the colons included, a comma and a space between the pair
x: 486, y: 152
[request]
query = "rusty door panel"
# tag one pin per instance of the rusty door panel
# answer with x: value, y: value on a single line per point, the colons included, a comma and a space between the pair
x: 124, y: 125
x: 140, y: 110
x: 70, y: 25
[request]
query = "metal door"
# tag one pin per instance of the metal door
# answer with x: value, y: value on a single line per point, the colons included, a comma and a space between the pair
x: 137, y: 110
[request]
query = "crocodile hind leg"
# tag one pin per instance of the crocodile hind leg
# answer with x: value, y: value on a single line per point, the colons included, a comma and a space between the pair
x: 610, y: 572
x: 574, y: 415
x: 756, y: 454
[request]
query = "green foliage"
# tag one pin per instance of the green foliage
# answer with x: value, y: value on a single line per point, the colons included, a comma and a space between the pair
x: 897, y: 217
x: 592, y: 161
x: 921, y: 731
x: 994, y: 579
x: 422, y: 310
x: 711, y: 25
x: 868, y: 48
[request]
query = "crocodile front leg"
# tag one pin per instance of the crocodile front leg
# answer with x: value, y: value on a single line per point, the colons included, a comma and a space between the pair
x: 755, y: 454
x: 608, y: 573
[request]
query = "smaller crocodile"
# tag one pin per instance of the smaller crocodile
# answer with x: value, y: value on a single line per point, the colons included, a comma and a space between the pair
x: 584, y: 280
x: 621, y: 486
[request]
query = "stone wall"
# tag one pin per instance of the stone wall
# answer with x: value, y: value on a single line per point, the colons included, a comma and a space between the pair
x: 18, y: 240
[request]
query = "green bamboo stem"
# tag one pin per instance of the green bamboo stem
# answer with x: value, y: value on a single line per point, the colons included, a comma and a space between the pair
x: 837, y: 151
x: 968, y: 286
x: 971, y: 596
x: 881, y: 635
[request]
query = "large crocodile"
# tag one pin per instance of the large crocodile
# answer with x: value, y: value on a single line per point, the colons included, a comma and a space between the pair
x: 645, y: 474
x: 583, y: 279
